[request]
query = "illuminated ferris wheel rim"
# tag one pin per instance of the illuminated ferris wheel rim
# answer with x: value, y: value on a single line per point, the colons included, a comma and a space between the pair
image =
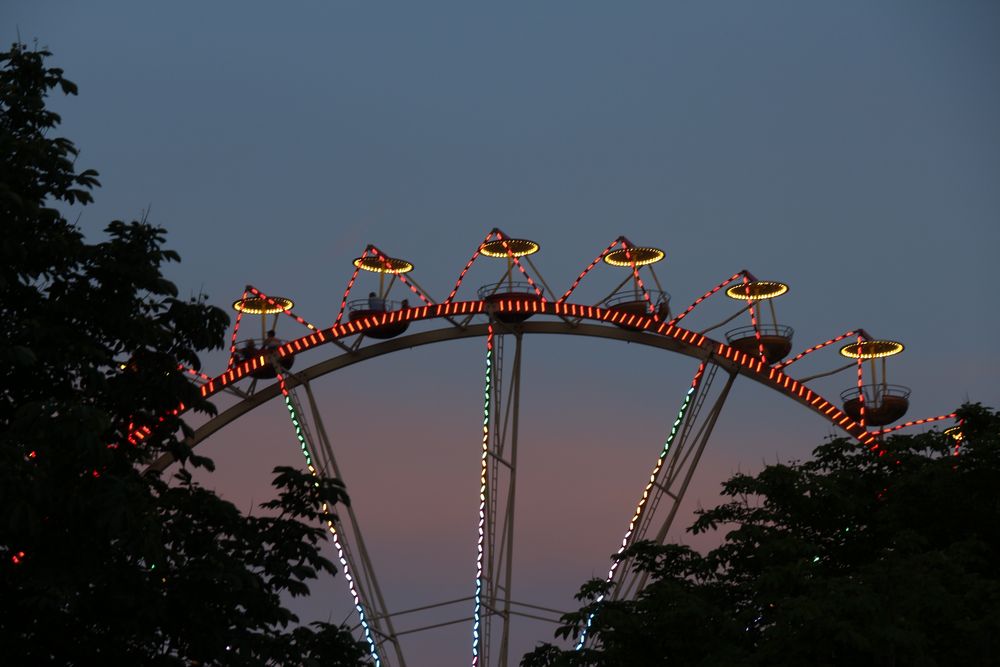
x: 642, y: 329
x: 445, y: 334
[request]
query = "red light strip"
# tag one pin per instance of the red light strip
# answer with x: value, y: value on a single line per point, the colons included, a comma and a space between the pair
x: 638, y: 280
x: 257, y: 292
x: 959, y: 438
x: 705, y: 296
x: 814, y: 348
x: 517, y: 263
x: 461, y: 276
x: 861, y: 390
x: 350, y: 286
x: 915, y: 422
x: 140, y: 433
x: 587, y: 270
x: 753, y: 319
x: 385, y: 262
x: 191, y: 371
x: 236, y: 329
x: 766, y: 374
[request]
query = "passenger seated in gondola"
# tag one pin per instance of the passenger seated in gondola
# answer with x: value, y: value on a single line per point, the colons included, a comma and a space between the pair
x: 404, y: 304
x: 374, y: 302
x: 249, y: 350
x: 270, y: 343
x: 663, y: 307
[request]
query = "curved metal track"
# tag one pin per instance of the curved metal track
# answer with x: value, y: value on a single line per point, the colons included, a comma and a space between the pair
x: 642, y: 331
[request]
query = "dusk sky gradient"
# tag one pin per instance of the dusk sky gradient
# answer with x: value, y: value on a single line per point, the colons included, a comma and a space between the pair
x: 850, y: 149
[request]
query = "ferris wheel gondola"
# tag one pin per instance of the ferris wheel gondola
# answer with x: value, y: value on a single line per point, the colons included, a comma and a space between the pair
x: 632, y: 296
x: 263, y: 349
x: 772, y: 340
x: 877, y: 403
x: 377, y: 303
x: 507, y: 289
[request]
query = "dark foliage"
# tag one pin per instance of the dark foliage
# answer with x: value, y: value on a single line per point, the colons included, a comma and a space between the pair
x: 846, y: 559
x: 99, y: 562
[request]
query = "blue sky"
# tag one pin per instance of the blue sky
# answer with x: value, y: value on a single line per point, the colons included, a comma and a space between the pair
x: 850, y: 149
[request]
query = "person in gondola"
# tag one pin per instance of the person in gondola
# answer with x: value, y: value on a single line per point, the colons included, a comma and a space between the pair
x: 405, y: 304
x: 249, y: 350
x: 270, y: 342
x: 374, y: 302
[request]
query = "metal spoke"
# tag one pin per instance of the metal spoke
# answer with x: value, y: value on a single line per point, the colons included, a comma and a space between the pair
x: 367, y: 581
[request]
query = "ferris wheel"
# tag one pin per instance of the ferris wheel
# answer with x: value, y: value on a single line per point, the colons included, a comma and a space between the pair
x: 520, y: 302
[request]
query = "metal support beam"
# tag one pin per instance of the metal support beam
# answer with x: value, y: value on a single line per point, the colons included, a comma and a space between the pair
x: 505, y: 399
x: 727, y: 320
x: 683, y: 461
x: 365, y: 574
x: 515, y: 402
x: 702, y: 440
x: 615, y: 290
x: 833, y: 372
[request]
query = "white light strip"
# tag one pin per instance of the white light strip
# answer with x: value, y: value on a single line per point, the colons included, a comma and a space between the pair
x: 674, y: 429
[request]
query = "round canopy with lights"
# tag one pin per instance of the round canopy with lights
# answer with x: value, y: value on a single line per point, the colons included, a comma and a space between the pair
x: 757, y: 290
x: 871, y: 349
x: 517, y: 248
x: 637, y: 256
x: 955, y: 433
x: 255, y: 305
x: 377, y: 264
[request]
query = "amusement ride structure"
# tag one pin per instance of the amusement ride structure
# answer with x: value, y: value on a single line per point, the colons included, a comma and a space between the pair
x: 521, y: 302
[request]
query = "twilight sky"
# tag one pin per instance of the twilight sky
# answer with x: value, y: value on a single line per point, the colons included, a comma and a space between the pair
x: 850, y: 149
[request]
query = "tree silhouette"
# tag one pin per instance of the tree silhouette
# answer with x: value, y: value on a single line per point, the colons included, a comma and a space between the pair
x: 99, y: 562
x: 845, y: 559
